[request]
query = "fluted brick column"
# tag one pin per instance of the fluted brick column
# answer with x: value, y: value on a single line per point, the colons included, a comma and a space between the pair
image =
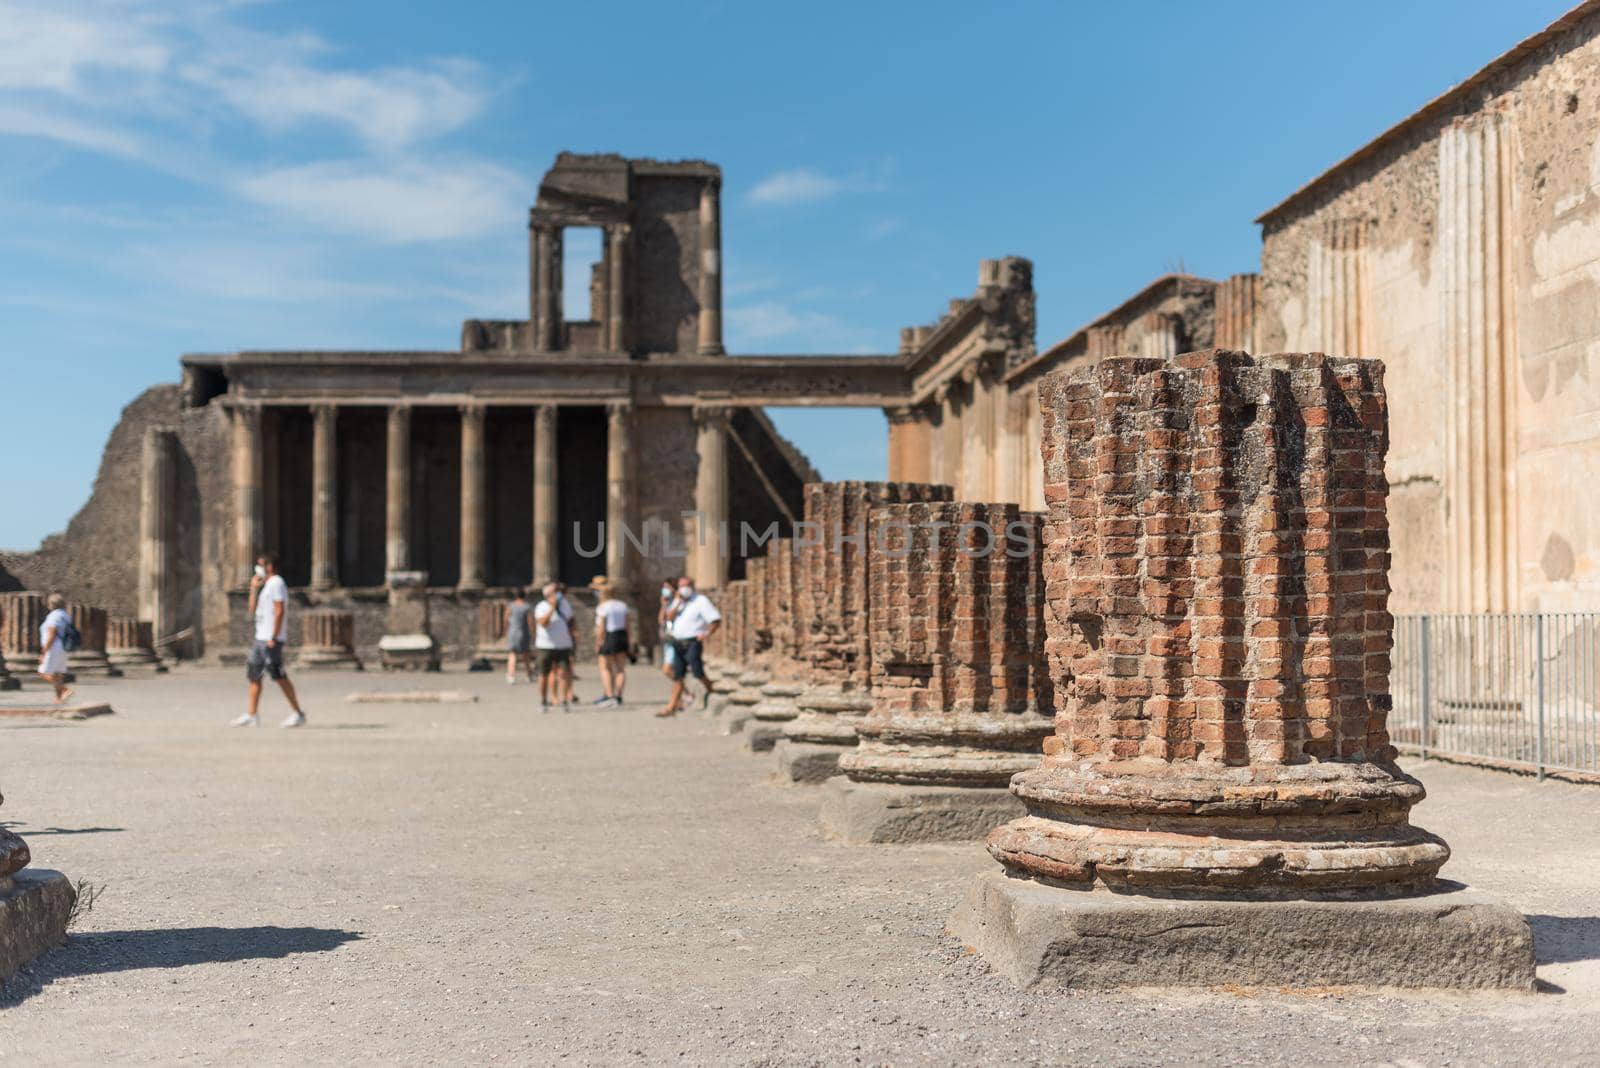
x: 835, y: 619
x: 158, y: 502
x: 710, y: 321
x: 397, y: 499
x: 90, y: 658
x: 474, y: 499
x: 546, y: 500
x: 961, y: 699
x: 248, y: 495
x: 21, y: 614
x: 780, y: 581
x: 130, y: 644
x: 328, y: 639
x: 1217, y: 586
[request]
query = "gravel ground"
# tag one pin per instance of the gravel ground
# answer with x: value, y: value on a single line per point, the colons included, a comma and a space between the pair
x: 417, y: 883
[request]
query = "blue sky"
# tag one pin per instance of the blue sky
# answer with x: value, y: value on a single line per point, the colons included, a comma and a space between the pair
x: 200, y: 175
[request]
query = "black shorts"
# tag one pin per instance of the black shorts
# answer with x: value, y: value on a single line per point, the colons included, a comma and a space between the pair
x: 615, y: 641
x: 549, y: 659
x: 687, y: 659
x: 265, y: 661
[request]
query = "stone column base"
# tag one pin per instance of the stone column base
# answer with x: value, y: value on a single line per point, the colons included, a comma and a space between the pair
x: 9, y: 681
x: 90, y: 664
x: 1035, y: 934
x: 135, y: 661
x: 807, y: 762
x: 33, y: 916
x: 867, y: 813
x: 760, y: 735
x: 314, y: 659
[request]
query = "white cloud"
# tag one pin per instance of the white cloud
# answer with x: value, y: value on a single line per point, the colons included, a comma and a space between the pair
x: 389, y: 108
x: 393, y: 202
x: 806, y: 185
x: 49, y: 47
x: 45, y: 123
x: 799, y: 186
x: 766, y: 322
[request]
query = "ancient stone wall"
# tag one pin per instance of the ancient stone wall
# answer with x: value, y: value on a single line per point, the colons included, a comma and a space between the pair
x: 664, y: 276
x: 1463, y: 251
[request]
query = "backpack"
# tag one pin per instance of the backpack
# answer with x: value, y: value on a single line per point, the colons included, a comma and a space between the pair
x: 71, y: 640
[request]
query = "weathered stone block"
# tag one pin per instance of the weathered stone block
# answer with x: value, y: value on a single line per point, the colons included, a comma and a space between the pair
x: 1094, y: 939
x: 33, y: 915
x: 804, y: 762
x: 866, y: 813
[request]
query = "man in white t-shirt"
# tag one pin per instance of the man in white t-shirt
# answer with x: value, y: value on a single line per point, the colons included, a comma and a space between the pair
x: 693, y: 619
x: 552, y: 647
x: 269, y: 605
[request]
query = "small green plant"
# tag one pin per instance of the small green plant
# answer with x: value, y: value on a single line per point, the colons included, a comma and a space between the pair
x: 88, y: 894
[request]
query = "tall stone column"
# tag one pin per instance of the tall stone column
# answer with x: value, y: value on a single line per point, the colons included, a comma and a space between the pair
x: 538, y: 280
x: 617, y: 287
x: 546, y: 503
x: 397, y: 499
x: 706, y: 552
x: 960, y: 696
x: 324, y: 499
x: 247, y: 490
x: 952, y: 447
x: 711, y: 268
x: 158, y: 500
x: 619, y: 494
x: 910, y: 444
x: 1216, y: 586
x: 835, y: 638
x: 474, y: 503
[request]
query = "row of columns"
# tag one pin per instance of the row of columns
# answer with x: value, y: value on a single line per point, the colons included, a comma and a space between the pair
x: 711, y: 492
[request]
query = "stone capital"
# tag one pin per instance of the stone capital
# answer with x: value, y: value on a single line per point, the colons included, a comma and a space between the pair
x: 903, y: 413
x: 712, y: 414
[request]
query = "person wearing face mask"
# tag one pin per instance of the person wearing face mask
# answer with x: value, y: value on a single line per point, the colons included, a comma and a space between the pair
x: 692, y: 619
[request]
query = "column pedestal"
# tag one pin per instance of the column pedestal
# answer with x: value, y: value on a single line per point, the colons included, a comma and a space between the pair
x: 130, y: 645
x: 491, y: 651
x: 34, y: 905
x: 90, y: 660
x: 329, y: 640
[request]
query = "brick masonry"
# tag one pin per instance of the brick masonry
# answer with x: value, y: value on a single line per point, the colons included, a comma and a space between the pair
x: 1218, y: 632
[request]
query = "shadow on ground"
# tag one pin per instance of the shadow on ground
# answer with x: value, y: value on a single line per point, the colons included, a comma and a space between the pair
x: 1565, y: 939
x: 97, y: 952
x: 25, y: 831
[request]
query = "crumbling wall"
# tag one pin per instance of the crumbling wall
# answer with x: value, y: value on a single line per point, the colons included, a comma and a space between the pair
x: 96, y: 560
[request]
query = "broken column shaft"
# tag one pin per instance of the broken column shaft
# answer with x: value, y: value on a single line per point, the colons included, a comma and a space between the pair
x: 960, y: 697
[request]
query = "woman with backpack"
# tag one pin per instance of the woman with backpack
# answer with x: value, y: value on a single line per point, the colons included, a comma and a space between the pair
x: 57, y: 636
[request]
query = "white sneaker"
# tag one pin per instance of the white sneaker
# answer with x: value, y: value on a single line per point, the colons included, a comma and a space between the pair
x: 246, y: 720
x: 296, y: 719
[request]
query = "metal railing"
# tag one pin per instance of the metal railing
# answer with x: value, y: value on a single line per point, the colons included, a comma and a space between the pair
x: 1515, y: 690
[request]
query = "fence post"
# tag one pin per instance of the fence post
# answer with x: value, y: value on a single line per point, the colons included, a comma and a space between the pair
x: 1427, y: 683
x: 1538, y: 659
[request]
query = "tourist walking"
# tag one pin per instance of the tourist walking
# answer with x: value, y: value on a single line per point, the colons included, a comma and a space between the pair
x: 269, y: 605
x: 611, y: 643
x: 694, y: 619
x: 56, y: 634
x: 552, y: 642
x: 519, y: 637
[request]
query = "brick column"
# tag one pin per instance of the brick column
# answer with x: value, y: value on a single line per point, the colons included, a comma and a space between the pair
x: 836, y: 613
x: 324, y: 499
x: 616, y: 260
x: 1217, y: 584
x: 21, y: 614
x: 130, y: 645
x: 90, y: 658
x: 781, y: 609
x: 474, y: 499
x: 328, y: 639
x: 961, y: 699
x: 546, y: 502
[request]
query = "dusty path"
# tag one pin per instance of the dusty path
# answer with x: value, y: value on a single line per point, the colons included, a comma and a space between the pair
x: 470, y: 882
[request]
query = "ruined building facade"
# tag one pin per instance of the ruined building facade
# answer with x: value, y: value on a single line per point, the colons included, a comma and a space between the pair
x: 1462, y: 247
